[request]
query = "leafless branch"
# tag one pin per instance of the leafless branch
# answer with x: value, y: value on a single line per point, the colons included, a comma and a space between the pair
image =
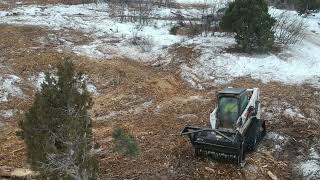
x: 289, y: 30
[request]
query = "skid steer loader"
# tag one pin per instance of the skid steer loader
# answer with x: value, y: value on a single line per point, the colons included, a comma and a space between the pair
x: 236, y: 126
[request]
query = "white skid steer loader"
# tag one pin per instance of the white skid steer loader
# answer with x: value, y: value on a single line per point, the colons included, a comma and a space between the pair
x: 236, y: 126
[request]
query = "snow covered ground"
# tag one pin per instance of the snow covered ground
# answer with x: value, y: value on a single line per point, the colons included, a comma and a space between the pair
x: 9, y: 87
x: 95, y: 21
x: 8, y: 113
x: 39, y: 79
x: 201, y: 1
x: 296, y: 64
x: 310, y: 168
x: 3, y: 13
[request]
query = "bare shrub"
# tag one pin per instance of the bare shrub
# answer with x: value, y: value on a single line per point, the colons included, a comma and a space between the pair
x: 145, y: 43
x: 165, y: 3
x: 206, y: 22
x: 67, y: 2
x: 209, y: 17
x: 282, y: 4
x: 187, y: 24
x: 289, y: 30
x: 131, y: 10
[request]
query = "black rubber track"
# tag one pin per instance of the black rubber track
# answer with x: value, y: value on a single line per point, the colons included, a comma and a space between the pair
x: 253, y: 135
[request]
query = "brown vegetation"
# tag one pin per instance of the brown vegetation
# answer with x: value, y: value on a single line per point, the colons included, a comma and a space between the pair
x: 153, y: 104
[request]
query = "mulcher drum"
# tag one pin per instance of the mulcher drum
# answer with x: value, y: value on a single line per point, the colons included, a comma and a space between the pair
x: 220, y: 143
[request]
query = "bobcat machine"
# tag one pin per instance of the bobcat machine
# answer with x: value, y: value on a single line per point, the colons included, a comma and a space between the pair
x: 236, y: 126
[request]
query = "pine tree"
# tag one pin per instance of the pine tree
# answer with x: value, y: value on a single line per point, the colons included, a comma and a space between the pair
x: 57, y: 129
x: 252, y: 23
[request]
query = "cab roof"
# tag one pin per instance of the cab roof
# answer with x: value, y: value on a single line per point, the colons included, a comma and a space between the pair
x: 236, y: 91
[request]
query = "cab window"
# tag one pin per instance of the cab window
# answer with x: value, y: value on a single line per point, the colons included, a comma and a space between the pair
x: 243, y: 102
x: 228, y: 111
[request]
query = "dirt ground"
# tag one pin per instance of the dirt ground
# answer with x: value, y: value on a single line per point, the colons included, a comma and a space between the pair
x: 154, y: 104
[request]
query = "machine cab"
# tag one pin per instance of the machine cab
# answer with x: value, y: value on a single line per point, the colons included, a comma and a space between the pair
x: 231, y: 104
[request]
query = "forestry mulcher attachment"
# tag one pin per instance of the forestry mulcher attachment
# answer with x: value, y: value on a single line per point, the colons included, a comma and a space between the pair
x: 236, y: 126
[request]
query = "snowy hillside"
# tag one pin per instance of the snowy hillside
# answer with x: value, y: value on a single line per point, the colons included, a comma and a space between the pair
x: 294, y: 65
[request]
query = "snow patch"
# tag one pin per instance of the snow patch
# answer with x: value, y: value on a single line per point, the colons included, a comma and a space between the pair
x: 311, y: 21
x: 310, y: 169
x: 90, y: 50
x: 141, y: 107
x: 3, y: 13
x: 8, y: 87
x: 39, y: 79
x: 90, y: 85
x: 218, y: 67
x: 277, y: 137
x: 251, y: 168
x: 188, y: 116
x: 293, y: 113
x: 134, y: 110
x: 92, y: 88
x: 108, y: 116
x: 8, y: 113
x: 189, y: 76
x: 278, y: 141
x: 191, y: 98
x: 276, y: 109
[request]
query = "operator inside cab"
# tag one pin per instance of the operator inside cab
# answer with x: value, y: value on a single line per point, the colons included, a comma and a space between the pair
x: 229, y: 110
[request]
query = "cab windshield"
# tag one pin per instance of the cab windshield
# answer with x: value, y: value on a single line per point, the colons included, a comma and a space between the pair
x: 228, y: 111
